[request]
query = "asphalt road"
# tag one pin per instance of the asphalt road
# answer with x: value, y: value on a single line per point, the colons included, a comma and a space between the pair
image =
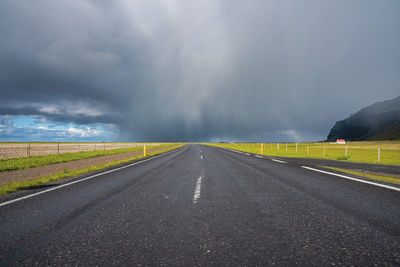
x: 205, y: 206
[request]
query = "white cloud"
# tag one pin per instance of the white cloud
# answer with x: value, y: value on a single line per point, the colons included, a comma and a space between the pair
x: 6, y: 125
x: 52, y: 110
x: 84, y: 109
x: 26, y: 128
x: 44, y: 128
x: 85, y: 132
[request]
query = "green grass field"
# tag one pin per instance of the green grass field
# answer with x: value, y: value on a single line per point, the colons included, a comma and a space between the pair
x: 36, y: 161
x: 356, y: 151
x: 16, y: 186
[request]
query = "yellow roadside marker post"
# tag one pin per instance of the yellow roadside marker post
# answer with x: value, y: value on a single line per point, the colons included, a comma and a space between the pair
x: 144, y: 150
x: 262, y: 149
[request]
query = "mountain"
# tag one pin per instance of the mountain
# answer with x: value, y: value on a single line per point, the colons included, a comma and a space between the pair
x: 379, y: 121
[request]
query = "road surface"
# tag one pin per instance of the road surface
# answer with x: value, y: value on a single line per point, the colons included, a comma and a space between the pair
x: 204, y: 206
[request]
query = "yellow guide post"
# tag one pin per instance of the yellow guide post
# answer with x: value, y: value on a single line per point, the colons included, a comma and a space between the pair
x: 144, y: 151
x: 262, y: 148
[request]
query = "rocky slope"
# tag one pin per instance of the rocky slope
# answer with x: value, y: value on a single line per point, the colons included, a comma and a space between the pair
x: 379, y: 121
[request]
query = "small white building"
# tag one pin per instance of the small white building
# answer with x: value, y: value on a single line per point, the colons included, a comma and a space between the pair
x: 341, y: 141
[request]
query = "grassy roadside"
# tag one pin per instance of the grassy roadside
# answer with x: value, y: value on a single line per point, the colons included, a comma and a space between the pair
x: 37, y: 161
x: 366, y: 152
x: 379, y: 177
x: 16, y: 186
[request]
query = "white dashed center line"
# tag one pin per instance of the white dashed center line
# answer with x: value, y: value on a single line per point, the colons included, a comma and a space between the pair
x: 197, y: 191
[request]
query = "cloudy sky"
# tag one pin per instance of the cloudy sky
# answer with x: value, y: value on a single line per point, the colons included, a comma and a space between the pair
x: 204, y: 70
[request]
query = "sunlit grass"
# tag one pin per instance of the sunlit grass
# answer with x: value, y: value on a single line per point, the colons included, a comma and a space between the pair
x: 16, y: 186
x: 36, y: 161
x: 356, y: 151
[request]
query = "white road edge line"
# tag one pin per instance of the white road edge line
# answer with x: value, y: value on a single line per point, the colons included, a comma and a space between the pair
x: 236, y: 151
x: 81, y: 180
x: 258, y: 156
x: 197, y: 191
x: 353, y: 179
x: 277, y: 160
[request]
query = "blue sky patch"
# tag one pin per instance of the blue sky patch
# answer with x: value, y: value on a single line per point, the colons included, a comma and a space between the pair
x: 36, y: 128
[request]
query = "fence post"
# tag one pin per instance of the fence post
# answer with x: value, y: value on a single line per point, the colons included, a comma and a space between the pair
x: 324, y: 150
x: 286, y: 147
x: 379, y: 154
x: 58, y: 148
x: 307, y: 150
x: 278, y: 146
x: 144, y: 150
x: 28, y: 151
x: 104, y: 147
x: 345, y: 152
x: 296, y: 147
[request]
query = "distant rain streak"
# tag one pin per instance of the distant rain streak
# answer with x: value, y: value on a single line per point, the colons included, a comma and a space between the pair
x: 192, y: 70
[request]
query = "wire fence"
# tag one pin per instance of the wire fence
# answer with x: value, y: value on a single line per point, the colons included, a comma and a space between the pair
x: 378, y: 152
x: 17, y: 150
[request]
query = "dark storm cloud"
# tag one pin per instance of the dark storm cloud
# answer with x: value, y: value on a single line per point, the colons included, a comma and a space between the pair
x: 199, y: 70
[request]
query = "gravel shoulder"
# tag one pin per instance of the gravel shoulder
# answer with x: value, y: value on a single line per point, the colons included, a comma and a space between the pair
x: 38, y: 172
